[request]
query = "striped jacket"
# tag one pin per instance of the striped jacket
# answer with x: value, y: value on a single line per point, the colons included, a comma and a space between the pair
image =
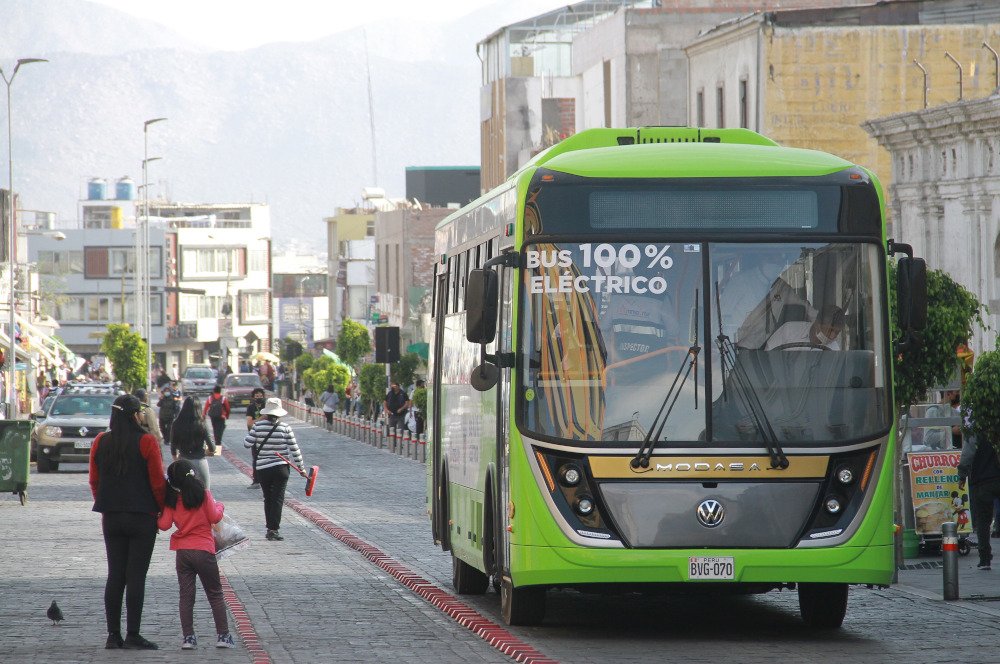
x: 282, y: 441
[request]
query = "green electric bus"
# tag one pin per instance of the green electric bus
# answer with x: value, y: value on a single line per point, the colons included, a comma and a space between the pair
x: 662, y: 359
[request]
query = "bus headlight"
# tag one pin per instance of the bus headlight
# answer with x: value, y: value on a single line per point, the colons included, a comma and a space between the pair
x: 569, y: 475
x: 584, y: 505
x: 845, y: 476
x: 832, y: 505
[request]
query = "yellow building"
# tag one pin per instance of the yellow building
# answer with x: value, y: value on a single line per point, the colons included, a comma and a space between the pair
x: 809, y: 78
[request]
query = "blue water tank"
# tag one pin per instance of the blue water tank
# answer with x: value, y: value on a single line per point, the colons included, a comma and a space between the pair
x: 96, y: 189
x: 125, y: 189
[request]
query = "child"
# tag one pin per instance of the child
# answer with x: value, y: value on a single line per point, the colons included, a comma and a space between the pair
x: 194, y: 543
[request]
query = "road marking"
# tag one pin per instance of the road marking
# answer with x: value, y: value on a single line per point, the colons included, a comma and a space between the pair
x: 496, y: 635
x: 244, y: 627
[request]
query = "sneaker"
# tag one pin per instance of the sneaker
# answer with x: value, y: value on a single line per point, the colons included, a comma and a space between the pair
x: 190, y: 642
x: 225, y: 641
x: 274, y: 536
x: 136, y: 642
x: 253, y: 485
x: 114, y: 641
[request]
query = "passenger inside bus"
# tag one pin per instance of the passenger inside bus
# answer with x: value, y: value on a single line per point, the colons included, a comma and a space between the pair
x: 756, y: 299
x: 824, y: 333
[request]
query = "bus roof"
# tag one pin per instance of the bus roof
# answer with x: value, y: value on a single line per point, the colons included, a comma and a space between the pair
x: 671, y: 152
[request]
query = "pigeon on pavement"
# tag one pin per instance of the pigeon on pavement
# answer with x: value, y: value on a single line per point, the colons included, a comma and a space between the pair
x: 54, y: 613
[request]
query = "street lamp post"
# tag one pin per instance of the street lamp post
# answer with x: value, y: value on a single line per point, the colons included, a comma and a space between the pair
x: 142, y: 259
x: 11, y: 241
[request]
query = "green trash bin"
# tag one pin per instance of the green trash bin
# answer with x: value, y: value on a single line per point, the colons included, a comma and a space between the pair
x: 15, y: 450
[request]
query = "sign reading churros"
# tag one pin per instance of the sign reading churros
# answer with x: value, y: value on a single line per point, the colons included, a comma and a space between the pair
x: 936, y: 496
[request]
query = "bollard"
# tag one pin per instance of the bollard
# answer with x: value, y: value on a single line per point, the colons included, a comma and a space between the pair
x: 406, y: 443
x: 949, y: 552
x: 383, y: 435
x: 422, y: 448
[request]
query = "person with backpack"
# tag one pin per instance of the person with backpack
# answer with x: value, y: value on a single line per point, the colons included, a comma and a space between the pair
x: 168, y: 406
x: 217, y: 410
x: 189, y: 439
x: 194, y: 543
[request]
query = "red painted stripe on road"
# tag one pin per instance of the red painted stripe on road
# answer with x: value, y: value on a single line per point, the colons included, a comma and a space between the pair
x: 463, y: 614
x: 244, y: 626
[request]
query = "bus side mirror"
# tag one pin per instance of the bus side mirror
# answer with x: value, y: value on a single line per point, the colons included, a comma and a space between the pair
x: 911, y: 300
x: 482, y: 300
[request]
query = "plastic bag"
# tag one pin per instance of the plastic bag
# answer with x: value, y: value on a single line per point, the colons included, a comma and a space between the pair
x: 229, y: 537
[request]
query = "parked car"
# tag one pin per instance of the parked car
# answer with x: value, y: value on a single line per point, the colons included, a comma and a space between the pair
x: 198, y: 380
x: 65, y: 432
x: 238, y: 387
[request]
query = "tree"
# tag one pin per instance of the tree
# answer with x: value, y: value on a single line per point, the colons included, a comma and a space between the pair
x: 127, y: 352
x: 353, y: 342
x: 289, y: 349
x: 981, y: 399
x: 951, y: 312
x: 303, y: 362
x: 371, y: 380
x: 325, y: 372
x: 404, y: 371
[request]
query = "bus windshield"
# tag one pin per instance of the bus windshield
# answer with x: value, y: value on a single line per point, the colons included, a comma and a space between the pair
x: 793, y: 352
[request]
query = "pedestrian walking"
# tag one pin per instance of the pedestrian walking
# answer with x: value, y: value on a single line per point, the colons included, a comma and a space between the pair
x: 329, y: 400
x: 217, y: 409
x: 168, y: 406
x: 257, y: 403
x: 395, y: 405
x: 189, y: 440
x: 979, y: 465
x: 194, y: 543
x: 271, y: 437
x: 126, y: 480
x: 149, y: 420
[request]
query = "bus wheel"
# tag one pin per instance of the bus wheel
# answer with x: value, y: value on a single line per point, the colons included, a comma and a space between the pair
x: 823, y: 605
x: 467, y: 579
x: 521, y: 606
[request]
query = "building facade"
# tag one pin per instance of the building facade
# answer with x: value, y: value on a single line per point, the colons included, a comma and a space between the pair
x: 945, y: 193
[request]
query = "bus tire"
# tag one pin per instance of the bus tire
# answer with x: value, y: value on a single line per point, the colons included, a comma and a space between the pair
x: 521, y: 606
x: 823, y: 605
x: 442, y: 513
x: 467, y: 579
x: 491, y: 551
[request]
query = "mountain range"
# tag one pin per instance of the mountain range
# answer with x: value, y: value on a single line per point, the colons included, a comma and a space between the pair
x: 285, y: 123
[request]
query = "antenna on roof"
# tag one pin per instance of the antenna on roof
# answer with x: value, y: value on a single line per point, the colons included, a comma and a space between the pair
x: 371, y: 108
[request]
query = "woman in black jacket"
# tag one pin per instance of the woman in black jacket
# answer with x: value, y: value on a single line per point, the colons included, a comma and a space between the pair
x: 189, y: 438
x: 126, y: 480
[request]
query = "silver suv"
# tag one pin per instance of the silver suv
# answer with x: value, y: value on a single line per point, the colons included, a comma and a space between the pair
x: 77, y: 414
x: 198, y: 380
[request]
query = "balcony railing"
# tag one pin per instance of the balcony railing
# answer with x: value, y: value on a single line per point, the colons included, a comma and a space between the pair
x: 183, y: 331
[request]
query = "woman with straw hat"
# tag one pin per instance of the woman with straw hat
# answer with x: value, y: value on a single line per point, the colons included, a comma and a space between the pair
x: 269, y: 437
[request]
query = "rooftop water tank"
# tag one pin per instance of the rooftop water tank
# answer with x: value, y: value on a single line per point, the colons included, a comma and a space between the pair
x: 96, y: 189
x: 125, y: 189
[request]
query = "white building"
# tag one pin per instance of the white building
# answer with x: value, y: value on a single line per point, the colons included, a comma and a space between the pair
x: 300, y: 302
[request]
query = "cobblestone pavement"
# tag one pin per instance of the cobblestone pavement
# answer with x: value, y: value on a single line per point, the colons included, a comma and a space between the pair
x: 310, y: 598
x: 380, y: 497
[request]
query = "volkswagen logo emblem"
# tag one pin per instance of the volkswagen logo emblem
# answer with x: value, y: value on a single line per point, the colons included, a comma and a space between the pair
x: 711, y: 513
x: 83, y: 432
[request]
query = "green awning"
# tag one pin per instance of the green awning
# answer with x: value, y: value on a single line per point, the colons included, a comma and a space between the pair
x: 421, y: 348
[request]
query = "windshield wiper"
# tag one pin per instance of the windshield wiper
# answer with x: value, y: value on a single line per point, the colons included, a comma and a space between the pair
x: 641, y: 459
x: 745, y: 391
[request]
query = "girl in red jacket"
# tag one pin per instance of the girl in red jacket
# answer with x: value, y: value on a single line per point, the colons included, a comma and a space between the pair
x: 194, y: 543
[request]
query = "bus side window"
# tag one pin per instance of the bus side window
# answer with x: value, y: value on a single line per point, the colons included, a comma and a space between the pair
x: 453, y: 275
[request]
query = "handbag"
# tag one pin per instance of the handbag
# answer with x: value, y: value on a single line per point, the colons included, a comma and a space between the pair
x: 229, y: 537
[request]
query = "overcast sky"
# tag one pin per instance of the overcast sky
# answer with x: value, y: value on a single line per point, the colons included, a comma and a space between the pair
x: 241, y: 24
